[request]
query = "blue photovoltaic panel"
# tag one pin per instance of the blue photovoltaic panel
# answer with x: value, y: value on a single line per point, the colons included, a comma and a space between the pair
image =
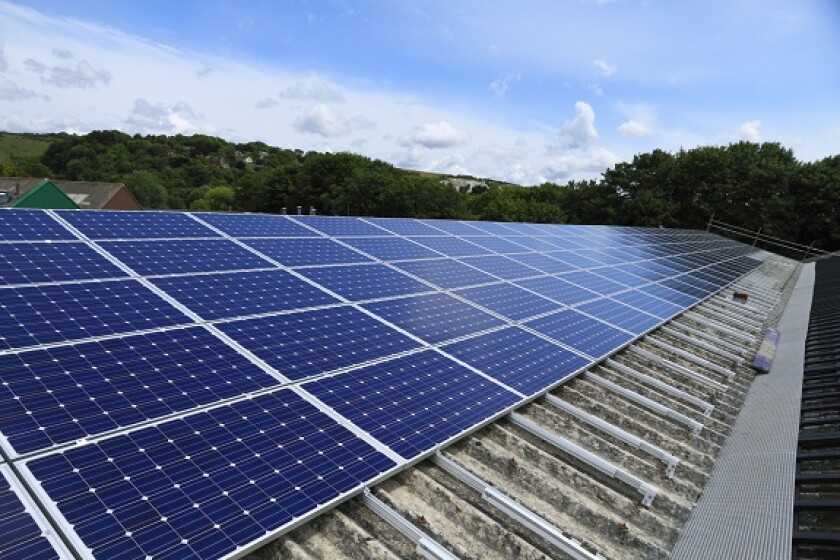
x: 564, y: 242
x: 518, y: 359
x: 582, y: 333
x: 640, y: 271
x: 542, y: 262
x: 593, y: 282
x: 306, y: 252
x: 451, y: 246
x: 493, y: 228
x: 413, y: 403
x: 62, y: 394
x: 215, y: 296
x: 675, y: 297
x: 341, y: 227
x: 446, y: 273
x: 558, y: 290
x: 435, y: 317
x: 574, y: 259
x: 404, y: 226
x: 30, y: 225
x: 391, y: 248
x: 509, y: 300
x: 660, y: 267
x: 603, y: 257
x: 25, y: 263
x: 535, y: 243
x: 301, y: 345
x: 206, y: 485
x: 256, y: 225
x: 524, y: 229
x: 649, y: 304
x: 620, y: 315
x: 362, y: 282
x: 108, y: 224
x: 688, y: 286
x: 179, y: 256
x: 20, y: 535
x: 453, y: 227
x: 501, y: 267
x: 54, y: 313
x: 625, y: 278
x: 499, y: 245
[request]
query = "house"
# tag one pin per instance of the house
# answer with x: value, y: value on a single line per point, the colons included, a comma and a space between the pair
x: 29, y: 192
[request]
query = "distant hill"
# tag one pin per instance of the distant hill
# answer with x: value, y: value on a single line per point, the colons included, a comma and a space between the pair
x: 19, y: 148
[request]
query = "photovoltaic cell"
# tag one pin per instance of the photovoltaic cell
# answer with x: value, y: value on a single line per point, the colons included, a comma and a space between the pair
x: 215, y: 296
x: 434, y: 318
x: 493, y: 228
x: 301, y: 345
x: 55, y: 313
x: 20, y: 535
x: 673, y: 296
x: 509, y: 300
x: 62, y: 394
x: 391, y: 248
x: 453, y: 227
x: 451, y: 246
x: 582, y: 333
x: 105, y: 224
x: 179, y: 256
x: 620, y: 315
x: 536, y: 243
x: 27, y: 263
x: 30, y: 225
x: 593, y: 282
x: 502, y: 267
x: 446, y: 273
x: 208, y: 484
x: 306, y: 252
x: 616, y: 275
x: 413, y: 403
x: 574, y: 259
x: 642, y: 272
x: 362, y: 282
x: 256, y: 225
x: 340, y: 227
x: 542, y: 262
x: 404, y: 226
x: 649, y: 304
x: 499, y: 245
x: 558, y: 290
x: 698, y: 289
x: 518, y: 359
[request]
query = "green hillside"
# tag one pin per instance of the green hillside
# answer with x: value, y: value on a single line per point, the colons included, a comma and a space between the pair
x: 18, y: 148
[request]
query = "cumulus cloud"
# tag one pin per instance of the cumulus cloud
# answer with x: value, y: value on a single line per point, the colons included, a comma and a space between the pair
x: 149, y: 118
x: 502, y: 84
x: 10, y: 91
x: 323, y: 120
x: 580, y: 131
x: 266, y: 103
x: 80, y: 75
x: 749, y: 131
x: 604, y: 67
x: 316, y: 89
x: 454, y: 164
x: 565, y: 166
x: 3, y: 64
x: 438, y: 135
x: 64, y: 54
x: 634, y: 128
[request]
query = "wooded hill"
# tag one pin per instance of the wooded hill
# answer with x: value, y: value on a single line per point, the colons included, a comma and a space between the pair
x: 749, y: 185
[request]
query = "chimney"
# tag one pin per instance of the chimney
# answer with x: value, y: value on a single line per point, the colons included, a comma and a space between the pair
x: 283, y: 211
x: 300, y: 210
x: 311, y: 210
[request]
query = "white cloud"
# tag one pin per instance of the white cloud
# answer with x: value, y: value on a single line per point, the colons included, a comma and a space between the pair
x: 749, y: 131
x: 206, y: 71
x: 10, y: 91
x: 266, y: 103
x: 572, y: 164
x: 438, y: 135
x: 3, y: 63
x: 81, y: 75
x: 605, y: 67
x: 64, y: 54
x: 157, y: 118
x: 315, y: 89
x: 580, y: 131
x: 634, y: 128
x: 502, y: 84
x: 323, y: 120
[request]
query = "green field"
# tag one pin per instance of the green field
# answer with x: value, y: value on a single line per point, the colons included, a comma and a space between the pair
x: 16, y: 147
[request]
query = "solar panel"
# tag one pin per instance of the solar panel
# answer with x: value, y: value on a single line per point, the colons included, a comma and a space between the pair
x: 306, y: 252
x: 413, y: 403
x: 518, y: 359
x: 509, y: 300
x: 30, y: 225
x: 434, y: 318
x: 582, y: 333
x: 256, y: 225
x: 25, y: 263
x: 301, y: 345
x: 446, y: 273
x: 36, y: 315
x: 362, y: 282
x: 104, y: 224
x: 21, y: 535
x: 207, y: 484
x: 144, y: 433
x: 87, y: 389
x: 179, y: 256
x: 232, y: 294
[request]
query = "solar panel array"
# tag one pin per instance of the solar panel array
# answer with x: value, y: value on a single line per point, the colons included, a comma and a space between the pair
x: 179, y: 385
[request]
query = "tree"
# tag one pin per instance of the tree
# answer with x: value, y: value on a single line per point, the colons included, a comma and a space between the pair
x: 215, y: 199
x: 147, y: 189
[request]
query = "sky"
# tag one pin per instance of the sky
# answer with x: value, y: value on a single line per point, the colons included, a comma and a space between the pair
x: 524, y: 91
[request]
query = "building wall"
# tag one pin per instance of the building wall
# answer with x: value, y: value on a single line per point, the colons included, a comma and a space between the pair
x: 122, y: 200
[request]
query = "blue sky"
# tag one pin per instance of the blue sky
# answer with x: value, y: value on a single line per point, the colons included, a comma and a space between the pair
x: 525, y: 91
